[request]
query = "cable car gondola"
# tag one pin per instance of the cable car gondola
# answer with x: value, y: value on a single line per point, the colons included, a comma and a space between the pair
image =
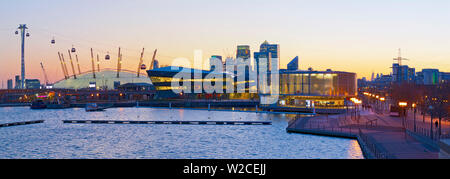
x: 17, y: 32
x: 53, y: 41
x: 28, y: 34
x: 143, y: 67
x: 73, y: 49
x: 107, y: 57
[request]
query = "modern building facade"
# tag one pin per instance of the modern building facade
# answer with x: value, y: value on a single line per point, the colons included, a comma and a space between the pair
x: 10, y: 84
x: 243, y: 51
x: 445, y: 77
x: 18, y: 83
x: 293, y: 65
x: 321, y: 90
x: 32, y: 84
x: 403, y: 74
x: 268, y: 51
x: 191, y: 86
x: 430, y: 76
x: 213, y: 67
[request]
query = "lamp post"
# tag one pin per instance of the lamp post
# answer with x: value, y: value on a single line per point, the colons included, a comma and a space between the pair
x: 431, y: 121
x: 403, y: 106
x: 415, y: 111
x: 357, y: 113
x: 382, y: 99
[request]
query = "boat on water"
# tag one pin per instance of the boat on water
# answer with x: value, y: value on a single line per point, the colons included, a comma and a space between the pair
x: 93, y: 107
x: 38, y: 104
x: 58, y: 104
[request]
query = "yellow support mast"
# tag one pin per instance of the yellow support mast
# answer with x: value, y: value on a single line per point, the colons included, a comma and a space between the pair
x: 140, y: 63
x: 119, y: 63
x: 65, y: 66
x: 93, y: 65
x: 71, y: 63
x: 153, y: 59
x: 98, y: 63
x: 62, y: 66
x: 78, y: 63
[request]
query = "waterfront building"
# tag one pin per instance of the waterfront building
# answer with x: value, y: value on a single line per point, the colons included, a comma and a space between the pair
x: 403, y: 74
x: 32, y: 84
x: 325, y: 91
x: 271, y: 52
x: 10, y: 84
x: 18, y: 83
x: 445, y: 77
x: 230, y: 62
x: 138, y: 91
x: 190, y: 84
x: 268, y: 58
x: 430, y: 76
x: 243, y: 51
x: 116, y: 84
x: 213, y: 67
x: 293, y: 65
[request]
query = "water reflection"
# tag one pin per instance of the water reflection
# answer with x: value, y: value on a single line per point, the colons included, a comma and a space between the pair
x: 53, y: 139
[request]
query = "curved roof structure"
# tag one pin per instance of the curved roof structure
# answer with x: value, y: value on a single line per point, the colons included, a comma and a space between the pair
x: 105, y: 78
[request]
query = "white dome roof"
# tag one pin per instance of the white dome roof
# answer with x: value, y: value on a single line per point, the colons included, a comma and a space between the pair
x: 103, y: 78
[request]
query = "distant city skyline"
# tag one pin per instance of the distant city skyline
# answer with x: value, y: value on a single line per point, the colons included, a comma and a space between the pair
x: 354, y: 36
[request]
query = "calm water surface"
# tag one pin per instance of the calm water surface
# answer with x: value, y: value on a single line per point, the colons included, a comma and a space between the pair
x: 53, y: 139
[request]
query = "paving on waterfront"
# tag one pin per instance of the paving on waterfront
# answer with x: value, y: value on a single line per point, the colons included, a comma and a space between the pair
x: 380, y: 136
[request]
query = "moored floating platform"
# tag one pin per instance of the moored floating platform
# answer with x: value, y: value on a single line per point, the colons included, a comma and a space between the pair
x: 21, y: 123
x: 169, y: 122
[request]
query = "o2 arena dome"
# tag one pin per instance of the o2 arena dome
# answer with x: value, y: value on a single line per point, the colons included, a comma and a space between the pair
x: 105, y: 79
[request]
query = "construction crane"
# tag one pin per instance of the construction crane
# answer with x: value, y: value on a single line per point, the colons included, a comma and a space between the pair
x: 140, y: 63
x: 71, y: 63
x: 153, y: 60
x: 119, y: 63
x: 45, y: 75
x: 62, y: 66
x: 93, y: 65
x: 399, y: 59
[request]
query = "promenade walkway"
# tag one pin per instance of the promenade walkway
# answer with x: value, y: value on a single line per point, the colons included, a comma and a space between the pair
x: 380, y: 137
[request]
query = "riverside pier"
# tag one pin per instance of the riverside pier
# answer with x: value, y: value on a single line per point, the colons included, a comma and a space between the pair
x: 21, y: 123
x: 170, y: 122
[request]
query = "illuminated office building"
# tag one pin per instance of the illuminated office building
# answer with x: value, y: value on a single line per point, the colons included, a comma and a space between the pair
x: 162, y: 79
x: 213, y: 67
x: 243, y: 51
x: 322, y: 90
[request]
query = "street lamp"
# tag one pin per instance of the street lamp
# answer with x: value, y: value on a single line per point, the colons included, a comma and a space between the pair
x: 357, y: 103
x: 382, y: 99
x: 403, y: 106
x: 415, y: 111
x: 430, y: 108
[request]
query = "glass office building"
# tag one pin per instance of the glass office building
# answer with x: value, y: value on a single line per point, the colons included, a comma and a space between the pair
x: 293, y: 65
x: 305, y: 90
x: 243, y: 51
x: 32, y: 84
x: 271, y: 53
x: 162, y: 79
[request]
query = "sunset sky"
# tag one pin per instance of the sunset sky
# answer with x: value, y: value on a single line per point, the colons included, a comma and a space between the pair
x: 359, y: 36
